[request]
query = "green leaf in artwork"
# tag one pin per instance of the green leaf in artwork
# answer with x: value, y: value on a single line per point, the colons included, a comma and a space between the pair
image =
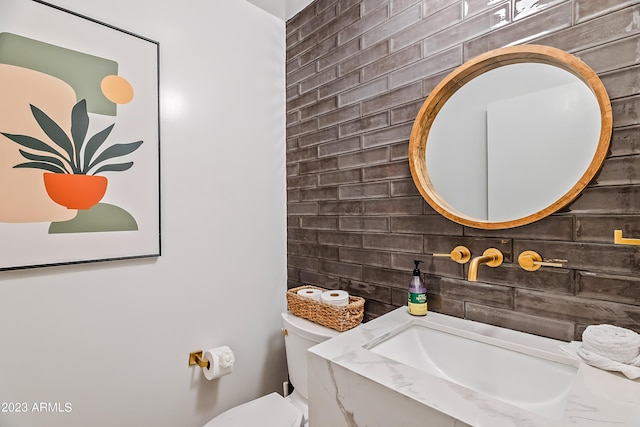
x: 39, y: 165
x: 116, y: 150
x: 79, y: 127
x: 118, y: 167
x: 79, y: 155
x: 53, y: 131
x: 44, y: 159
x: 94, y: 144
x: 33, y: 143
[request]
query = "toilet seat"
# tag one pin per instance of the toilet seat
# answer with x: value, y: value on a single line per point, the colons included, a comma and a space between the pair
x: 272, y: 408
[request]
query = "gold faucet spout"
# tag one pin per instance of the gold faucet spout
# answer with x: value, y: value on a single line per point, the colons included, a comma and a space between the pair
x: 475, y: 263
x: 492, y: 257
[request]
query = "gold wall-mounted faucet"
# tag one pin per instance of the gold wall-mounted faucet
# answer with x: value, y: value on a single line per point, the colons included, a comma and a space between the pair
x: 492, y: 257
x: 460, y: 254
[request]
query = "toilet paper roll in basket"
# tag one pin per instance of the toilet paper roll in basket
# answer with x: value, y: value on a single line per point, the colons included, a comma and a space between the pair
x: 221, y: 360
x: 314, y: 294
x: 335, y: 297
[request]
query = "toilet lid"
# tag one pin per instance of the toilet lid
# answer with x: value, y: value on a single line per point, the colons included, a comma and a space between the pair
x: 271, y: 408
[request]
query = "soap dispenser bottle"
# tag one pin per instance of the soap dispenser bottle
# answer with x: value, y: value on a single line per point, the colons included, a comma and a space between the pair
x: 417, y: 293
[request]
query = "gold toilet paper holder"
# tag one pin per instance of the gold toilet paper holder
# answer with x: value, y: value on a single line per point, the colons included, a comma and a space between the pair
x: 195, y: 358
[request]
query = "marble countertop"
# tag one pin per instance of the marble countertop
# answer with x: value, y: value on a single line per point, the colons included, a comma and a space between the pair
x: 596, y: 398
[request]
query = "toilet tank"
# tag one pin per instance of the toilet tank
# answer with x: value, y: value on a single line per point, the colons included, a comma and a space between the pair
x: 301, y: 334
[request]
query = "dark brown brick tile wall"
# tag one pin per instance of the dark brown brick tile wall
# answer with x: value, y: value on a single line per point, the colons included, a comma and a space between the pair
x: 358, y: 71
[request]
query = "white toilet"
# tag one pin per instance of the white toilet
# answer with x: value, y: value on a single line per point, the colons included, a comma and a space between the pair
x: 274, y: 410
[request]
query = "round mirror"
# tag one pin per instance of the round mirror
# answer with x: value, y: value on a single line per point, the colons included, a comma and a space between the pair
x: 510, y: 137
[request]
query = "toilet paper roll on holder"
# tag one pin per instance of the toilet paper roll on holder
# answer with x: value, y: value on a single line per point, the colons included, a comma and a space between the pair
x: 195, y: 358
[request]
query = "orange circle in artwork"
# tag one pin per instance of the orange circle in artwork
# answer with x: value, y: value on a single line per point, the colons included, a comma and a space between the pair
x: 117, y: 89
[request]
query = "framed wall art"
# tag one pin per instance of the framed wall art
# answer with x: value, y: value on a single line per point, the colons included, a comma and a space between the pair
x: 79, y: 139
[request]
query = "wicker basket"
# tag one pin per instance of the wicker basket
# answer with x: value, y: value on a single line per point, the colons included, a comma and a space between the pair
x: 340, y: 318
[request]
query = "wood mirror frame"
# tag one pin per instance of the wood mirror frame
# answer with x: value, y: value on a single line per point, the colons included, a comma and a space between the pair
x: 474, y: 68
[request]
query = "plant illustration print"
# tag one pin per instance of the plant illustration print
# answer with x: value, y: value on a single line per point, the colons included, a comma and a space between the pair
x: 72, y: 165
x: 78, y: 156
x: 79, y: 139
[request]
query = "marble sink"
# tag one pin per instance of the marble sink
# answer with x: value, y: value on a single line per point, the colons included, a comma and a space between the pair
x: 443, y: 371
x: 532, y: 380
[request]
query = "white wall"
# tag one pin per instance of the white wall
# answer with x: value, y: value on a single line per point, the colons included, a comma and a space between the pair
x: 283, y: 9
x: 295, y: 6
x: 113, y: 338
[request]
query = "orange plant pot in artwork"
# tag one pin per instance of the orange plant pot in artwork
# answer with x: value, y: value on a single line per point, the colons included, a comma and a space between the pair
x: 75, y: 191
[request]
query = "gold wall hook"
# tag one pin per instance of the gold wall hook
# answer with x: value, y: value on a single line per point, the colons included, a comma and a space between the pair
x: 619, y: 240
x: 460, y: 254
x: 532, y: 261
x: 195, y: 358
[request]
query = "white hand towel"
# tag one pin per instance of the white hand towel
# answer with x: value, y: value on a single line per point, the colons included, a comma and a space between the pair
x: 611, y: 348
x: 615, y: 343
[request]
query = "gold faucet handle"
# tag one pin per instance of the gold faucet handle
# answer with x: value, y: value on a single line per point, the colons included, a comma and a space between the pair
x: 495, y: 255
x: 459, y: 254
x: 532, y: 261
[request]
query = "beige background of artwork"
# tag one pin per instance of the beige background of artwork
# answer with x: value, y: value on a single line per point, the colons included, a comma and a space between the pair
x: 22, y: 194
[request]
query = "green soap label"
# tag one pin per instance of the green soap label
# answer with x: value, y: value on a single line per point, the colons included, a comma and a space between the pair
x: 417, y: 298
